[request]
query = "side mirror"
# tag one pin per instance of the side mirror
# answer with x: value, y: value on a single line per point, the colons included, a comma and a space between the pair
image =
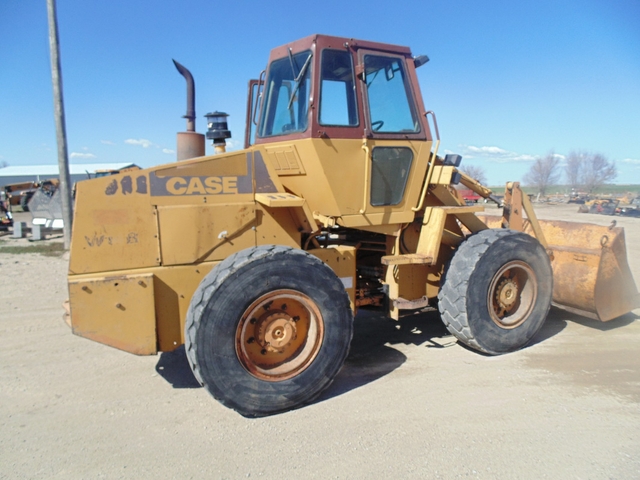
x: 388, y: 72
x: 420, y: 60
x: 452, y: 159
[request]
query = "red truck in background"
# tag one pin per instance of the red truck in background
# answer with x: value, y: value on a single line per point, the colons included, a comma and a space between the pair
x: 469, y: 196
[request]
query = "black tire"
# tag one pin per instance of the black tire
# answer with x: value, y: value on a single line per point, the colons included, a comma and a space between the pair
x: 24, y: 201
x: 496, y: 292
x: 232, y: 315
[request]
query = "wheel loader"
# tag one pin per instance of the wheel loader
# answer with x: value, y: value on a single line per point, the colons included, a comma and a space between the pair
x: 257, y: 260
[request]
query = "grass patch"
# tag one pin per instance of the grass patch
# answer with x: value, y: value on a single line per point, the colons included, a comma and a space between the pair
x: 48, y: 249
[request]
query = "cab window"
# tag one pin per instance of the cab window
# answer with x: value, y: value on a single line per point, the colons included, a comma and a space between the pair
x: 390, y: 103
x: 286, y: 102
x: 390, y: 167
x: 337, y: 90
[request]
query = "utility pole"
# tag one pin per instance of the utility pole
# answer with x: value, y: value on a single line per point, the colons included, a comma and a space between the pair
x: 61, y: 132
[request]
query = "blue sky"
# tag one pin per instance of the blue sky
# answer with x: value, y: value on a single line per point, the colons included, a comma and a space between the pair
x: 509, y: 81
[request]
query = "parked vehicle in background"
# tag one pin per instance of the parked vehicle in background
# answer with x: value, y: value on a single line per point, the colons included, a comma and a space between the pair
x: 469, y: 196
x: 6, y: 218
x: 19, y: 194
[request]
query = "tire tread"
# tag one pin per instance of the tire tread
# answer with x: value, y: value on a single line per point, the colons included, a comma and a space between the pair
x: 213, y: 281
x: 452, y: 297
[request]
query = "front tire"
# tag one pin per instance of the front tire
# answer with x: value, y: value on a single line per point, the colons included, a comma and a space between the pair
x: 268, y: 329
x: 497, y: 291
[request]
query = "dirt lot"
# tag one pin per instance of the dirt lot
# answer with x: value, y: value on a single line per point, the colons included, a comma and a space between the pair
x: 409, y: 403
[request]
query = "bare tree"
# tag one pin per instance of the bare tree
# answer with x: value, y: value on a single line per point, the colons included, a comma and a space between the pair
x: 589, y: 170
x: 544, y: 173
x: 596, y: 171
x: 572, y: 168
x: 475, y: 172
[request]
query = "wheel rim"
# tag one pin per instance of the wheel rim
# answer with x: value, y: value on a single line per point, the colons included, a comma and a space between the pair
x: 512, y: 294
x: 279, y: 335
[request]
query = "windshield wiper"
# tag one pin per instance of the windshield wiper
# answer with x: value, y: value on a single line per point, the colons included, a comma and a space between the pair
x: 299, y: 78
x: 293, y: 67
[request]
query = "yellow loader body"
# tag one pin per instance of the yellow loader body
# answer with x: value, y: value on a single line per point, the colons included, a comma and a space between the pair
x: 256, y: 260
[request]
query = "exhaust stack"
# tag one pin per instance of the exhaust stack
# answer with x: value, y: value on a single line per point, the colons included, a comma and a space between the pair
x: 190, y: 144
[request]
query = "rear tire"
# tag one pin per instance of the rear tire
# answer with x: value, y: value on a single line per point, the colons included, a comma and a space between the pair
x: 268, y: 329
x: 497, y: 290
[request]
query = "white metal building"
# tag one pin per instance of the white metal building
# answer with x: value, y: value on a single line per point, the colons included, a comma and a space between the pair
x: 28, y: 173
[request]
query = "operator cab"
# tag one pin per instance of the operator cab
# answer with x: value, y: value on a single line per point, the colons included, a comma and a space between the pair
x: 331, y: 87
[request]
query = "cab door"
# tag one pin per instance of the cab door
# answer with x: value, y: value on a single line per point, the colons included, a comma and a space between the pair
x: 396, y: 148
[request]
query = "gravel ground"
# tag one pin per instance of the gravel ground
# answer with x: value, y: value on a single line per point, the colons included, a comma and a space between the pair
x: 409, y: 403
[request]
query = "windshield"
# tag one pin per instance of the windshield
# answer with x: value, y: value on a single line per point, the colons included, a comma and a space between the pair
x: 287, y: 89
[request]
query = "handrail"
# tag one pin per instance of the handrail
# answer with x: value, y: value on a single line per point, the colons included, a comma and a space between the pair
x: 367, y: 161
x: 432, y: 161
x: 258, y: 95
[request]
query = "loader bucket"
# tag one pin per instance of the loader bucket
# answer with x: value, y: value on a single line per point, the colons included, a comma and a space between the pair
x: 591, y: 275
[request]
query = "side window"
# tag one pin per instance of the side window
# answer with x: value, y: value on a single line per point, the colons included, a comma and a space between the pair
x: 389, y: 172
x: 287, y: 89
x: 391, y: 107
x: 337, y: 90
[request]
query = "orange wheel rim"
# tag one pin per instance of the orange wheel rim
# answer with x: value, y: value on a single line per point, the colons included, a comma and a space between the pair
x: 512, y: 294
x: 279, y: 335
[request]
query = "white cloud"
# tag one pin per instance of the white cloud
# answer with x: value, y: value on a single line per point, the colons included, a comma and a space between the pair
x: 144, y: 143
x: 486, y: 150
x: 82, y: 155
x: 168, y: 151
x: 495, y: 154
x: 233, y: 145
x: 107, y: 142
x: 633, y: 161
